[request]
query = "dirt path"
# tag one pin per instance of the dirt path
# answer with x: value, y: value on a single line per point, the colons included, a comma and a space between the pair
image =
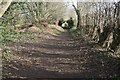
x: 58, y: 57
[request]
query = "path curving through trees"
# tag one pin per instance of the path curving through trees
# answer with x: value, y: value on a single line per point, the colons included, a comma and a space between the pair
x: 60, y: 56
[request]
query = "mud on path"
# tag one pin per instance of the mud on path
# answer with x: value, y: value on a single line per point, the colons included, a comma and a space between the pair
x: 60, y: 56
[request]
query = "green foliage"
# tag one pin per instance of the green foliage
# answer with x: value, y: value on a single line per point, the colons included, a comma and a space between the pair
x: 56, y: 31
x: 6, y: 35
x: 75, y: 32
x: 20, y: 13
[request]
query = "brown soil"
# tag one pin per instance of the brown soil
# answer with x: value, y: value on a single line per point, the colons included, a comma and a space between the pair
x: 60, y: 56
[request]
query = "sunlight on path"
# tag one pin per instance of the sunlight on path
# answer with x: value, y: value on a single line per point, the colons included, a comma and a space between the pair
x: 58, y: 57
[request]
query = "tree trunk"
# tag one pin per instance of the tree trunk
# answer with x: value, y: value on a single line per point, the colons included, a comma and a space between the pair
x: 78, y: 17
x: 4, y: 6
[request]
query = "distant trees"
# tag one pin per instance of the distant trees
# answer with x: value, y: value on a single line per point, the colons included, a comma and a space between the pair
x: 33, y: 12
x: 78, y: 16
x: 53, y: 10
x: 101, y: 22
x: 16, y: 14
x: 98, y: 20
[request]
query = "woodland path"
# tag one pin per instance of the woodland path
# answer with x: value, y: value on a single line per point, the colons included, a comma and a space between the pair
x: 60, y: 56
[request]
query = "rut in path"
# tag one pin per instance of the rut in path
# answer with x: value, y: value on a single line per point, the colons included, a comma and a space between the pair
x: 60, y: 56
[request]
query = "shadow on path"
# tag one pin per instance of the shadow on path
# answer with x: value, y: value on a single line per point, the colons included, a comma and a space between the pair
x: 61, y: 57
